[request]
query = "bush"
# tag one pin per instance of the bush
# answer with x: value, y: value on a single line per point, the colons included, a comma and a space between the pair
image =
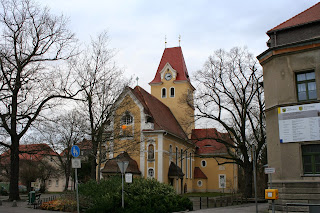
x: 67, y: 205
x: 143, y: 195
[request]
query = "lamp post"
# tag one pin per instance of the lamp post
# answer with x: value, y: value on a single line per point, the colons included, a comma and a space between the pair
x: 123, y: 165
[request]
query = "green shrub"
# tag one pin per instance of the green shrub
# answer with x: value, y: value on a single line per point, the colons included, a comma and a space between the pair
x: 143, y: 195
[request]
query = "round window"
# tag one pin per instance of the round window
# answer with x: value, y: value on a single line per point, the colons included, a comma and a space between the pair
x: 199, y: 183
x: 203, y: 163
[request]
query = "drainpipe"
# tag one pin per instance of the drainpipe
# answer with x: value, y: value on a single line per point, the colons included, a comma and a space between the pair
x: 275, y: 39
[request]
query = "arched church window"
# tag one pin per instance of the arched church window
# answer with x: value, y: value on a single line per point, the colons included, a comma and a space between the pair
x: 127, y: 119
x: 151, y: 173
x: 172, y: 92
x: 151, y: 152
x: 164, y: 92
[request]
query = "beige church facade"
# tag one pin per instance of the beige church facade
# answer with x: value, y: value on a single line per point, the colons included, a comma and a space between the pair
x: 156, y: 134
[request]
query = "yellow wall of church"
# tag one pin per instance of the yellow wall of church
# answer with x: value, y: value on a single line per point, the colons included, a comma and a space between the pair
x: 213, y: 171
x: 183, y: 112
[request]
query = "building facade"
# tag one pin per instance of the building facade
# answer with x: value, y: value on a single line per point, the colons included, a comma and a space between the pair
x: 291, y: 69
x: 157, y: 133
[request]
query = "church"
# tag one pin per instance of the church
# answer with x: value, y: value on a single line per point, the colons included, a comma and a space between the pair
x: 156, y: 134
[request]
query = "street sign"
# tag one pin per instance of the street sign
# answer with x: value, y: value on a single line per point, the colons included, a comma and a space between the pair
x: 128, y: 177
x: 123, y: 166
x: 76, y: 163
x: 269, y: 170
x: 75, y: 151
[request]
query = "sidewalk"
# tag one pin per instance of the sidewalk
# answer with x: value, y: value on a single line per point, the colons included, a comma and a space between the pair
x: 22, y: 207
x: 244, y: 208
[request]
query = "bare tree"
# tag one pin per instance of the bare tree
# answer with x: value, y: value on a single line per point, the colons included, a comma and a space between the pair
x: 102, y: 82
x: 230, y: 95
x: 31, y: 38
x: 62, y: 133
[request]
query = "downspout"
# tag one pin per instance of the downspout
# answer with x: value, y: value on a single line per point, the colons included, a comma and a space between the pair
x: 275, y: 38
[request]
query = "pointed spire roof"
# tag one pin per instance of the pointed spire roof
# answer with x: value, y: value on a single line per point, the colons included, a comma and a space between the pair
x: 175, y: 58
x: 308, y: 16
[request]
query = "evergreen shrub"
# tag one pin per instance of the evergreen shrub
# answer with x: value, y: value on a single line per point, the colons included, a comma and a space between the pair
x: 143, y: 195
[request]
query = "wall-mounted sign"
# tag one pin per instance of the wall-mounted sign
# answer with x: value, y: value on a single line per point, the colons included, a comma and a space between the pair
x: 299, y: 123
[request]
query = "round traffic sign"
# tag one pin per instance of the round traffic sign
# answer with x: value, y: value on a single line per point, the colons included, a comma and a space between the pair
x: 75, y: 151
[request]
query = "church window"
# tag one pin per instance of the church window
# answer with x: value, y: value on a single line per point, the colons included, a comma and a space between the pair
x: 164, y: 93
x: 186, y: 164
x: 181, y: 159
x: 127, y: 119
x: 170, y: 152
x: 199, y: 183
x: 177, y: 156
x: 150, y: 152
x: 127, y: 125
x: 172, y: 92
x: 190, y: 165
x: 203, y: 163
x: 151, y: 173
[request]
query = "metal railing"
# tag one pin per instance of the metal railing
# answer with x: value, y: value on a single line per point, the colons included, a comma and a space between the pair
x: 313, y: 208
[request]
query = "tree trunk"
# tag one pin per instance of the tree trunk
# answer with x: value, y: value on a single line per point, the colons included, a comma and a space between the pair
x: 248, y: 175
x: 14, y: 169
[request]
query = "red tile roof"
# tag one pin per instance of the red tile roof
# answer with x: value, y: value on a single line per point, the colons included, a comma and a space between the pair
x: 198, y: 173
x: 161, y: 114
x: 34, y: 152
x: 206, y: 141
x: 83, y: 145
x: 175, y: 58
x: 310, y: 15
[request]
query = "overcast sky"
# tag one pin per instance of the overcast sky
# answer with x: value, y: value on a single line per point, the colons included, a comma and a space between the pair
x: 137, y: 28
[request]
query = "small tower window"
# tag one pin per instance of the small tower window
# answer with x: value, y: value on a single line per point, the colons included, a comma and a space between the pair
x: 172, y: 92
x: 164, y: 92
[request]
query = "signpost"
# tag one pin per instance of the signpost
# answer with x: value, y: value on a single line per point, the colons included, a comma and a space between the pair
x: 270, y: 171
x: 76, y: 164
x: 123, y: 165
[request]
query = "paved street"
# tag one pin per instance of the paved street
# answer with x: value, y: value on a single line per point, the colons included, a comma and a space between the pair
x: 245, y: 208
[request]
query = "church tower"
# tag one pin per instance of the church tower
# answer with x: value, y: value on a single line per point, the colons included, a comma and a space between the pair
x: 172, y: 86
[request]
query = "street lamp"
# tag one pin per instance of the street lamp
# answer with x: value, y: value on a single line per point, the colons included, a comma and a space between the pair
x: 123, y: 165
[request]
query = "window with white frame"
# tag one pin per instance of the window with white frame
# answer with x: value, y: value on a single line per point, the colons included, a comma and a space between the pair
x: 170, y: 152
x: 172, y: 92
x: 222, y: 181
x: 181, y: 159
x: 199, y: 183
x: 126, y: 119
x: 187, y: 164
x: 190, y: 165
x: 57, y: 182
x: 151, y: 172
x: 203, y: 163
x: 163, y: 93
x: 49, y: 183
x: 306, y: 86
x: 177, y: 156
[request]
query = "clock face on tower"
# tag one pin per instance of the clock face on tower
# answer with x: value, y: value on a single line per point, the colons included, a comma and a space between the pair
x: 168, y: 76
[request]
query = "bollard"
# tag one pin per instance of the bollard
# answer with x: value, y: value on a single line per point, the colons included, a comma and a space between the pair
x: 14, y: 203
x: 200, y: 202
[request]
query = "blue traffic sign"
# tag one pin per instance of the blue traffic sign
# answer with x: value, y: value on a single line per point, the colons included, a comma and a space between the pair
x: 75, y: 151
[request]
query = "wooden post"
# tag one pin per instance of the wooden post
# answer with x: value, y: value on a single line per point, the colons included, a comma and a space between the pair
x: 200, y: 202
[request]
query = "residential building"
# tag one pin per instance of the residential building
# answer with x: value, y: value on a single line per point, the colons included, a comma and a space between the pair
x: 291, y: 69
x: 156, y: 132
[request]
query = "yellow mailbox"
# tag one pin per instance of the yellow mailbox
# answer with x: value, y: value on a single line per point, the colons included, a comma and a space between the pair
x: 271, y: 194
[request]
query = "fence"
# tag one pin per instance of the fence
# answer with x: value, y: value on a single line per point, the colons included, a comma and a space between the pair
x: 213, y: 202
